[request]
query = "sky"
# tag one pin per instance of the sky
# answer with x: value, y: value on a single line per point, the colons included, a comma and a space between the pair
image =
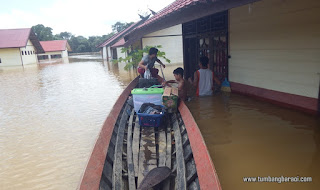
x: 86, y: 18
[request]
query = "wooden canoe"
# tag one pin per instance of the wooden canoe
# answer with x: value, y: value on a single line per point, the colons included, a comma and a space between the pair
x: 125, y: 152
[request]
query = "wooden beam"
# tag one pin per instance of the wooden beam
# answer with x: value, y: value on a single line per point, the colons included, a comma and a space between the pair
x: 166, y: 185
x: 181, y: 168
x: 136, y: 147
x: 147, y: 154
x: 162, y: 146
x: 169, y: 144
x: 117, y: 163
x: 131, y: 178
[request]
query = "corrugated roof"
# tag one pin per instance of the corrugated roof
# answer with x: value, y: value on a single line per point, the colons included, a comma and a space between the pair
x: 14, y: 38
x: 173, y: 7
x: 179, y: 12
x: 55, y: 45
x: 119, y: 43
x: 120, y: 34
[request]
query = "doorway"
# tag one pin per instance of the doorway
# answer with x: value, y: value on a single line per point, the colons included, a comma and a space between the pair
x: 207, y: 36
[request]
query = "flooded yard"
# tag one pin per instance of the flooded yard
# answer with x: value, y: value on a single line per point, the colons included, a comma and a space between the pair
x: 250, y: 138
x: 52, y: 113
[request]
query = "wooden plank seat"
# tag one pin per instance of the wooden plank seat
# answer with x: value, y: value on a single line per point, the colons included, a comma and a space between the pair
x: 138, y: 149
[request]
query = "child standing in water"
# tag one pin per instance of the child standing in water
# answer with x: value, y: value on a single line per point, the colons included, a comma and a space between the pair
x: 203, y: 78
x: 178, y: 75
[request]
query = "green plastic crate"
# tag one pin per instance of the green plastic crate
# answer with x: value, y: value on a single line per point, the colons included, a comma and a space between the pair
x: 144, y: 91
x: 146, y: 95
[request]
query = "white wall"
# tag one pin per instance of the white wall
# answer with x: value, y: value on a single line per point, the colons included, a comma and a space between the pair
x: 10, y: 57
x: 123, y: 55
x: 109, y: 53
x: 104, y: 52
x: 29, y: 58
x: 65, y: 53
x: 276, y: 46
x: 171, y: 45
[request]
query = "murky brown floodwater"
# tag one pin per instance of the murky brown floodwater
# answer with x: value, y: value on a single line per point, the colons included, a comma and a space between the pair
x: 250, y: 138
x: 50, y: 116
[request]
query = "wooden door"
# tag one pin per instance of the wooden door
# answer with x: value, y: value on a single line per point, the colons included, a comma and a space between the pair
x: 190, y: 57
x: 114, y: 53
x: 220, y: 54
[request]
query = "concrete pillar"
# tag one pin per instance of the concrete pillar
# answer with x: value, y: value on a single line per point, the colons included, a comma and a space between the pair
x: 104, y: 52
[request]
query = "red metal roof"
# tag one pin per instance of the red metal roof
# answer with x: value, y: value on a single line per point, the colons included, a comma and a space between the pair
x: 176, y: 6
x: 173, y: 7
x: 55, y: 45
x: 179, y: 12
x: 14, y: 38
x: 119, y: 43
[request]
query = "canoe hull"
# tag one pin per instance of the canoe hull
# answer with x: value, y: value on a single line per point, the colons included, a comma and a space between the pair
x: 98, y: 172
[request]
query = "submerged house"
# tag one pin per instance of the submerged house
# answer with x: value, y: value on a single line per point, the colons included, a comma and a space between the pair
x: 268, y: 49
x: 19, y: 47
x: 54, y: 49
x: 111, y: 48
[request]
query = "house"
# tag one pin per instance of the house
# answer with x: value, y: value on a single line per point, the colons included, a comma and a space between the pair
x: 111, y: 48
x: 54, y: 49
x: 170, y: 40
x: 268, y: 49
x: 18, y: 47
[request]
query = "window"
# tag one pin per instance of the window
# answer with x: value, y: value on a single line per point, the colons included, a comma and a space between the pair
x: 22, y: 53
x: 114, y: 54
x: 0, y: 60
x: 33, y: 52
x: 28, y: 52
x: 42, y: 57
x: 56, y: 56
x: 25, y: 52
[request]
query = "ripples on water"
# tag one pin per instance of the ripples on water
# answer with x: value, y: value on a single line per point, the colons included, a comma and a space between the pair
x: 50, y: 117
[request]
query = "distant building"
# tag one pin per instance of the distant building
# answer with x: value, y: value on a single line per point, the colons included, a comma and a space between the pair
x: 54, y: 49
x: 18, y: 47
x: 111, y: 48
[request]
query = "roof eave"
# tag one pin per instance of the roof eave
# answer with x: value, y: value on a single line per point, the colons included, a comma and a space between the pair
x: 183, y: 15
x: 35, y: 42
x: 115, y: 40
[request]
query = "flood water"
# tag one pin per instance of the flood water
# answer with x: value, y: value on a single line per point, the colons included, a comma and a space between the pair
x: 250, y: 138
x: 51, y: 114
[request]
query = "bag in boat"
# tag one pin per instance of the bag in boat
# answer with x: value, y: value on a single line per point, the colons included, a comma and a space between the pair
x: 147, y: 74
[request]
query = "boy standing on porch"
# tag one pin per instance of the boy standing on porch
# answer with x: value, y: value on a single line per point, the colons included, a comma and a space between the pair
x: 203, y: 78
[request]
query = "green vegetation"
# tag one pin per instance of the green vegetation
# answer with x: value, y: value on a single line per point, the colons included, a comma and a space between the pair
x: 78, y: 44
x: 119, y: 26
x: 134, y: 57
